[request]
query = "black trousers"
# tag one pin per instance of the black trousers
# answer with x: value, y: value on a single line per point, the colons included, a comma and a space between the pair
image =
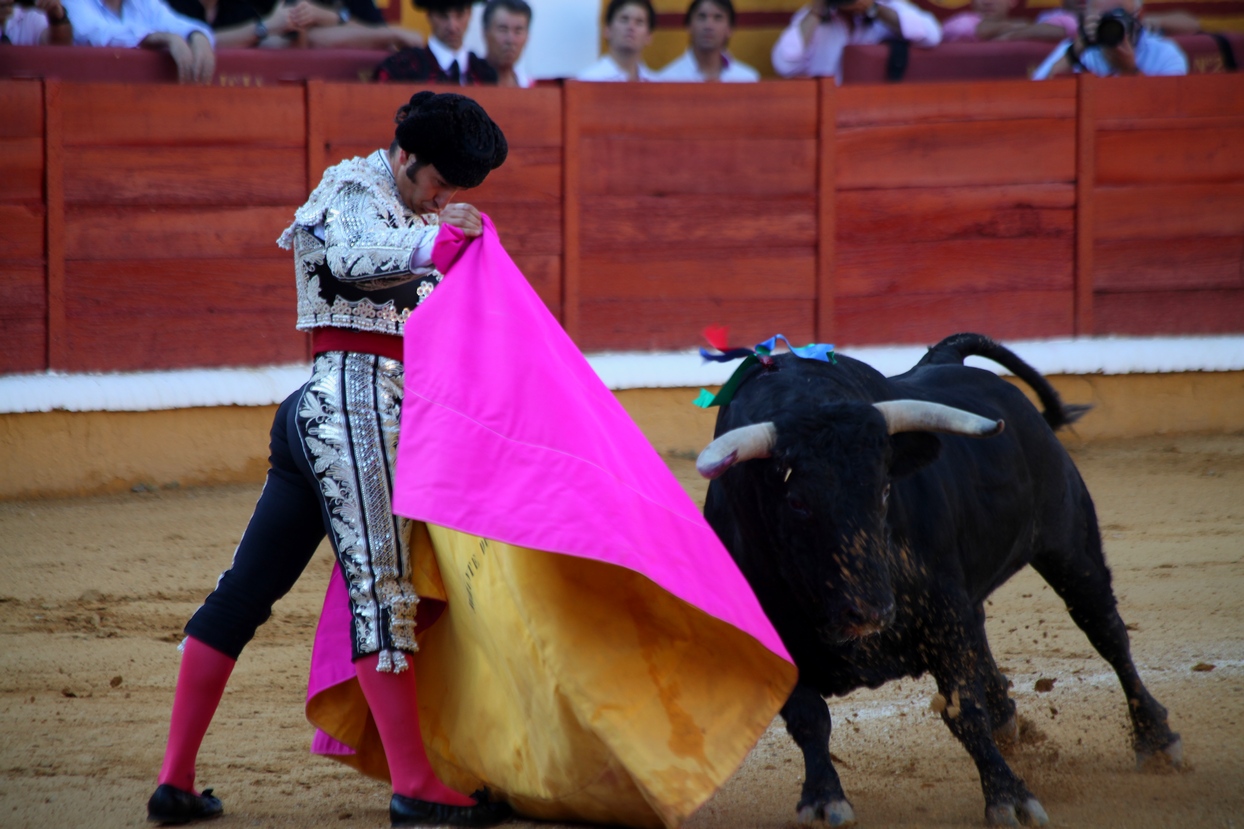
x: 282, y: 536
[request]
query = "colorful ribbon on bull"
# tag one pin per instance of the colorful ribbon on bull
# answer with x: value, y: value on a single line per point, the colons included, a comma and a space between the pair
x: 717, y: 338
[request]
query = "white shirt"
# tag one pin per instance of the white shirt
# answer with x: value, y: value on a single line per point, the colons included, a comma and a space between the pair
x: 25, y: 26
x: 446, y: 57
x: 1155, y: 55
x: 94, y: 24
x: 685, y: 69
x: 607, y: 69
x: 822, y: 56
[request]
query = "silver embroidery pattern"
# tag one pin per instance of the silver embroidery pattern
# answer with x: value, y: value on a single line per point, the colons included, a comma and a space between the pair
x: 350, y: 412
x: 369, y: 236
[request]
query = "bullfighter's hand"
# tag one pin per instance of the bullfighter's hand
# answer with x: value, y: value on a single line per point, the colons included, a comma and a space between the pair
x: 463, y: 216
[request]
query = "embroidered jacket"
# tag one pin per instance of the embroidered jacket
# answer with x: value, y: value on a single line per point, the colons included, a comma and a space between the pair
x: 354, y: 244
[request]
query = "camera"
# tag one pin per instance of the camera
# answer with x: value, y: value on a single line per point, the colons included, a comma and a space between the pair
x: 1113, y: 28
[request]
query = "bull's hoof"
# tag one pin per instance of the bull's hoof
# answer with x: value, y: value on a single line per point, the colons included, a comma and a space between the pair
x: 1027, y: 813
x: 1171, y: 755
x: 837, y: 813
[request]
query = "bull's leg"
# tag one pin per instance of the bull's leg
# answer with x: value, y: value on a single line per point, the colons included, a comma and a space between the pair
x: 1082, y: 580
x: 960, y: 661
x: 997, y: 698
x: 808, y: 723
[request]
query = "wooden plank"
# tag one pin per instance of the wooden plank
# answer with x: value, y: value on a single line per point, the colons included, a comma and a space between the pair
x: 363, y: 113
x: 955, y: 266
x: 23, y: 318
x: 1190, y: 96
x: 21, y: 169
x: 957, y: 154
x: 23, y: 236
x: 681, y: 276
x: 926, y: 319
x: 826, y: 274
x: 1169, y: 264
x: 527, y: 228
x: 937, y: 213
x: 239, y: 338
x: 620, y: 223
x: 927, y: 103
x: 1170, y: 312
x: 164, y: 175
x: 544, y: 273
x: 21, y: 101
x: 780, y: 109
x: 317, y: 126
x: 58, y: 352
x: 571, y: 319
x: 145, y: 290
x: 1181, y: 155
x: 1168, y: 211
x: 646, y: 325
x: 740, y: 169
x: 1086, y: 203
x: 186, y: 116
x: 244, y: 233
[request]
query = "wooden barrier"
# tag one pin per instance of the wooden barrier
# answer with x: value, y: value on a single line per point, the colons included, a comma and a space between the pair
x: 1166, y: 188
x: 140, y: 220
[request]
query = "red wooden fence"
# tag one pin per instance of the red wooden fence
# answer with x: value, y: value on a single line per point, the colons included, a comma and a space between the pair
x: 139, y: 221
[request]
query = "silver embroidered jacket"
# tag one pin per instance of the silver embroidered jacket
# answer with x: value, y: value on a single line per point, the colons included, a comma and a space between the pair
x: 353, y: 243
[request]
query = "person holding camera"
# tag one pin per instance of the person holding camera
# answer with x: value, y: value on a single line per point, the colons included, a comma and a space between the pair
x: 1112, y: 41
x: 812, y: 44
x: 35, y: 23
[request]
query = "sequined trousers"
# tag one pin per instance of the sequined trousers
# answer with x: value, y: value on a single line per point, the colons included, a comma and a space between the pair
x: 333, y: 448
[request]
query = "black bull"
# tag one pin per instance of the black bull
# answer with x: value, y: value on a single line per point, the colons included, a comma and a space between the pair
x: 872, y: 543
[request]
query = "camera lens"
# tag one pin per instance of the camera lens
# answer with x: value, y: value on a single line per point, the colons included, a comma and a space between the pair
x: 1111, y: 31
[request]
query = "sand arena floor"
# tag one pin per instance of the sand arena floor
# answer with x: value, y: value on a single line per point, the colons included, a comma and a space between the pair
x: 94, y: 593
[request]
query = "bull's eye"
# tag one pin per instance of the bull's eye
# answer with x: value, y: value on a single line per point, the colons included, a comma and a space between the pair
x: 797, y: 506
x: 885, y: 495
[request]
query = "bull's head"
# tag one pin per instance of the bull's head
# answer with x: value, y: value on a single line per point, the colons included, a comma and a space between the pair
x: 822, y: 500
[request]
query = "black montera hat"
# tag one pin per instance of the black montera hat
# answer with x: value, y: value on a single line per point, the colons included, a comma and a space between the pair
x: 453, y: 134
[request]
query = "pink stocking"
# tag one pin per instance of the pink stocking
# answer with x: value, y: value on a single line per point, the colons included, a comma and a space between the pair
x: 200, y: 685
x: 391, y: 697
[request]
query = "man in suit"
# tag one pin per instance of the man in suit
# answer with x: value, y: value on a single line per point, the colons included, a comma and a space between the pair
x: 445, y: 59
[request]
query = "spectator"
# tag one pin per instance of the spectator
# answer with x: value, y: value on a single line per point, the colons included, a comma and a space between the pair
x: 1134, y: 51
x: 812, y: 44
x: 39, y: 24
x: 506, y: 25
x: 445, y: 59
x: 272, y: 23
x: 1067, y: 18
x: 709, y: 26
x: 150, y: 24
x: 991, y: 20
x: 628, y: 30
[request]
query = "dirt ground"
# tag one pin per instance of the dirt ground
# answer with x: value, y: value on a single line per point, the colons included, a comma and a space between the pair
x: 94, y: 593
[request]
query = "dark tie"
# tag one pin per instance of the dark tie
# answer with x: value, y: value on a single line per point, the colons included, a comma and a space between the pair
x: 453, y: 73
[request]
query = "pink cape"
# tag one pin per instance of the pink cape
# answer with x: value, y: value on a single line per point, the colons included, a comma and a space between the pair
x: 508, y: 434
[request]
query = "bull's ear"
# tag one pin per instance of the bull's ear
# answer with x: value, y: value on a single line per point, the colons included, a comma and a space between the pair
x: 912, y: 451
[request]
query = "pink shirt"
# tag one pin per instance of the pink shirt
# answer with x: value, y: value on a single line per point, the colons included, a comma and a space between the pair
x: 1061, y: 17
x: 961, y: 28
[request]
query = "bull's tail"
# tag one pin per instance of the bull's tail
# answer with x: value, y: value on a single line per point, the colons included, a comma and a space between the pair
x: 956, y: 347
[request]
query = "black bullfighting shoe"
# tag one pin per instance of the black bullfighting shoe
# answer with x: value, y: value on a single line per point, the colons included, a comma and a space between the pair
x: 170, y: 804
x: 409, y: 811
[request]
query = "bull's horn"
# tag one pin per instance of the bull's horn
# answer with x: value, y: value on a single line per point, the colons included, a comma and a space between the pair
x: 922, y: 416
x: 741, y: 444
